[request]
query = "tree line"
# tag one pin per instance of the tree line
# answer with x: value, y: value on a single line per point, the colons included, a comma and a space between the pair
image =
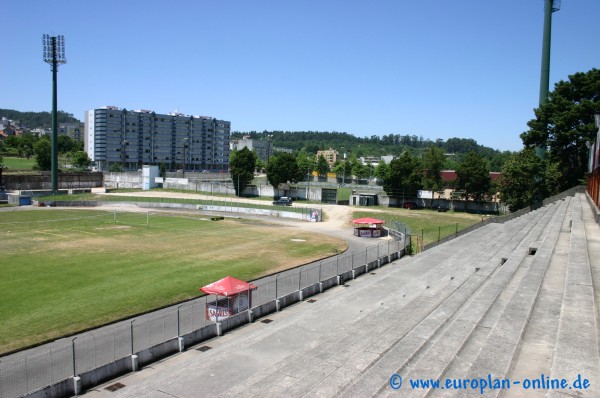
x: 32, y: 145
x: 391, y: 144
x: 31, y: 120
x: 554, y: 157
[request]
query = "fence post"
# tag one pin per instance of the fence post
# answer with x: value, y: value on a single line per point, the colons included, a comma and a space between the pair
x: 439, y: 233
x: 134, y: 360
x: 320, y: 282
x: 300, y: 294
x: 456, y: 231
x: 179, y: 338
x: 320, y: 264
x: 76, y: 379
x: 73, y: 354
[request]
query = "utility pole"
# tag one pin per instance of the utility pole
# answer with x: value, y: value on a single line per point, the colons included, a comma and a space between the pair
x: 54, y: 54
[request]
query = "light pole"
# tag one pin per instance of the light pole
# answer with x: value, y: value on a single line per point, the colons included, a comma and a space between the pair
x: 269, y: 137
x: 344, y: 177
x: 54, y: 54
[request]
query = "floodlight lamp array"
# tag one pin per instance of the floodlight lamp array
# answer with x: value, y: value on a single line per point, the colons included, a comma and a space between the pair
x: 555, y: 5
x: 54, y: 49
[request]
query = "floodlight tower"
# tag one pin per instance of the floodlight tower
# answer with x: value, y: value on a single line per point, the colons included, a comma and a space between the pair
x: 550, y: 7
x: 54, y: 54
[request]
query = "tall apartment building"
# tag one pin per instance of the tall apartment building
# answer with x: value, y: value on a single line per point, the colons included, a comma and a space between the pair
x: 141, y: 137
x: 264, y: 150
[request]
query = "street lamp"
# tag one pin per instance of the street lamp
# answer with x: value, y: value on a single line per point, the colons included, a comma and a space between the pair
x: 54, y: 54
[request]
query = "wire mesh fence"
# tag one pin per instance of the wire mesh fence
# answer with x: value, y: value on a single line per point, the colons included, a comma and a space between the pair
x: 23, y: 373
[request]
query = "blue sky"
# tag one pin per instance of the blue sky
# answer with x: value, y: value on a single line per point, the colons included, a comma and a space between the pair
x: 431, y: 68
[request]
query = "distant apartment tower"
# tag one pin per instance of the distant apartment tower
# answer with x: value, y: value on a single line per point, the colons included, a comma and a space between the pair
x: 141, y: 137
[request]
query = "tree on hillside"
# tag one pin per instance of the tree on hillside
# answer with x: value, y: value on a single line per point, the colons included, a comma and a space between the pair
x: 473, y: 177
x: 433, y: 164
x: 404, y: 176
x: 43, y: 154
x: 241, y: 168
x: 283, y: 168
x: 565, y: 123
x: 37, y: 119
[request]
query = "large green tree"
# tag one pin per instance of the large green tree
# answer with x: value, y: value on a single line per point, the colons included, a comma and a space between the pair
x: 521, y: 181
x: 81, y: 160
x: 473, y: 177
x: 242, y: 164
x: 527, y: 179
x: 565, y: 123
x: 404, y: 176
x: 283, y: 168
x: 43, y: 153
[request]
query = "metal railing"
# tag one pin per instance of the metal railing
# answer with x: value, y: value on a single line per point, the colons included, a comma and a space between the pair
x: 35, y: 369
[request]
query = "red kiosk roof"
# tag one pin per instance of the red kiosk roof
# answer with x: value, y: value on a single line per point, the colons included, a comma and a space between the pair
x: 227, y: 287
x: 367, y: 220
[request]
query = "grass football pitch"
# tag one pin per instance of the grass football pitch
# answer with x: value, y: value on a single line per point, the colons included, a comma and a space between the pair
x: 66, y: 270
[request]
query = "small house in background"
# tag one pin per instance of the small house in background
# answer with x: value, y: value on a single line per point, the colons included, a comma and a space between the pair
x: 364, y: 199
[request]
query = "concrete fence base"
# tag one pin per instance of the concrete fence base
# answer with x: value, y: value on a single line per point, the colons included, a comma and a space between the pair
x: 134, y: 362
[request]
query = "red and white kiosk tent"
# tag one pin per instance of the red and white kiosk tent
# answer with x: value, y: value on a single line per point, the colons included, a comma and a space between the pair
x: 368, y: 227
x: 233, y: 297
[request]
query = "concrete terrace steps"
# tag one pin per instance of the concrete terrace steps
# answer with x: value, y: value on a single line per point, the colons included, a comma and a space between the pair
x: 344, y: 357
x: 496, y: 347
x: 534, y: 357
x: 447, y: 346
x: 416, y: 339
x: 369, y: 330
x: 443, y: 349
x: 576, y: 351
